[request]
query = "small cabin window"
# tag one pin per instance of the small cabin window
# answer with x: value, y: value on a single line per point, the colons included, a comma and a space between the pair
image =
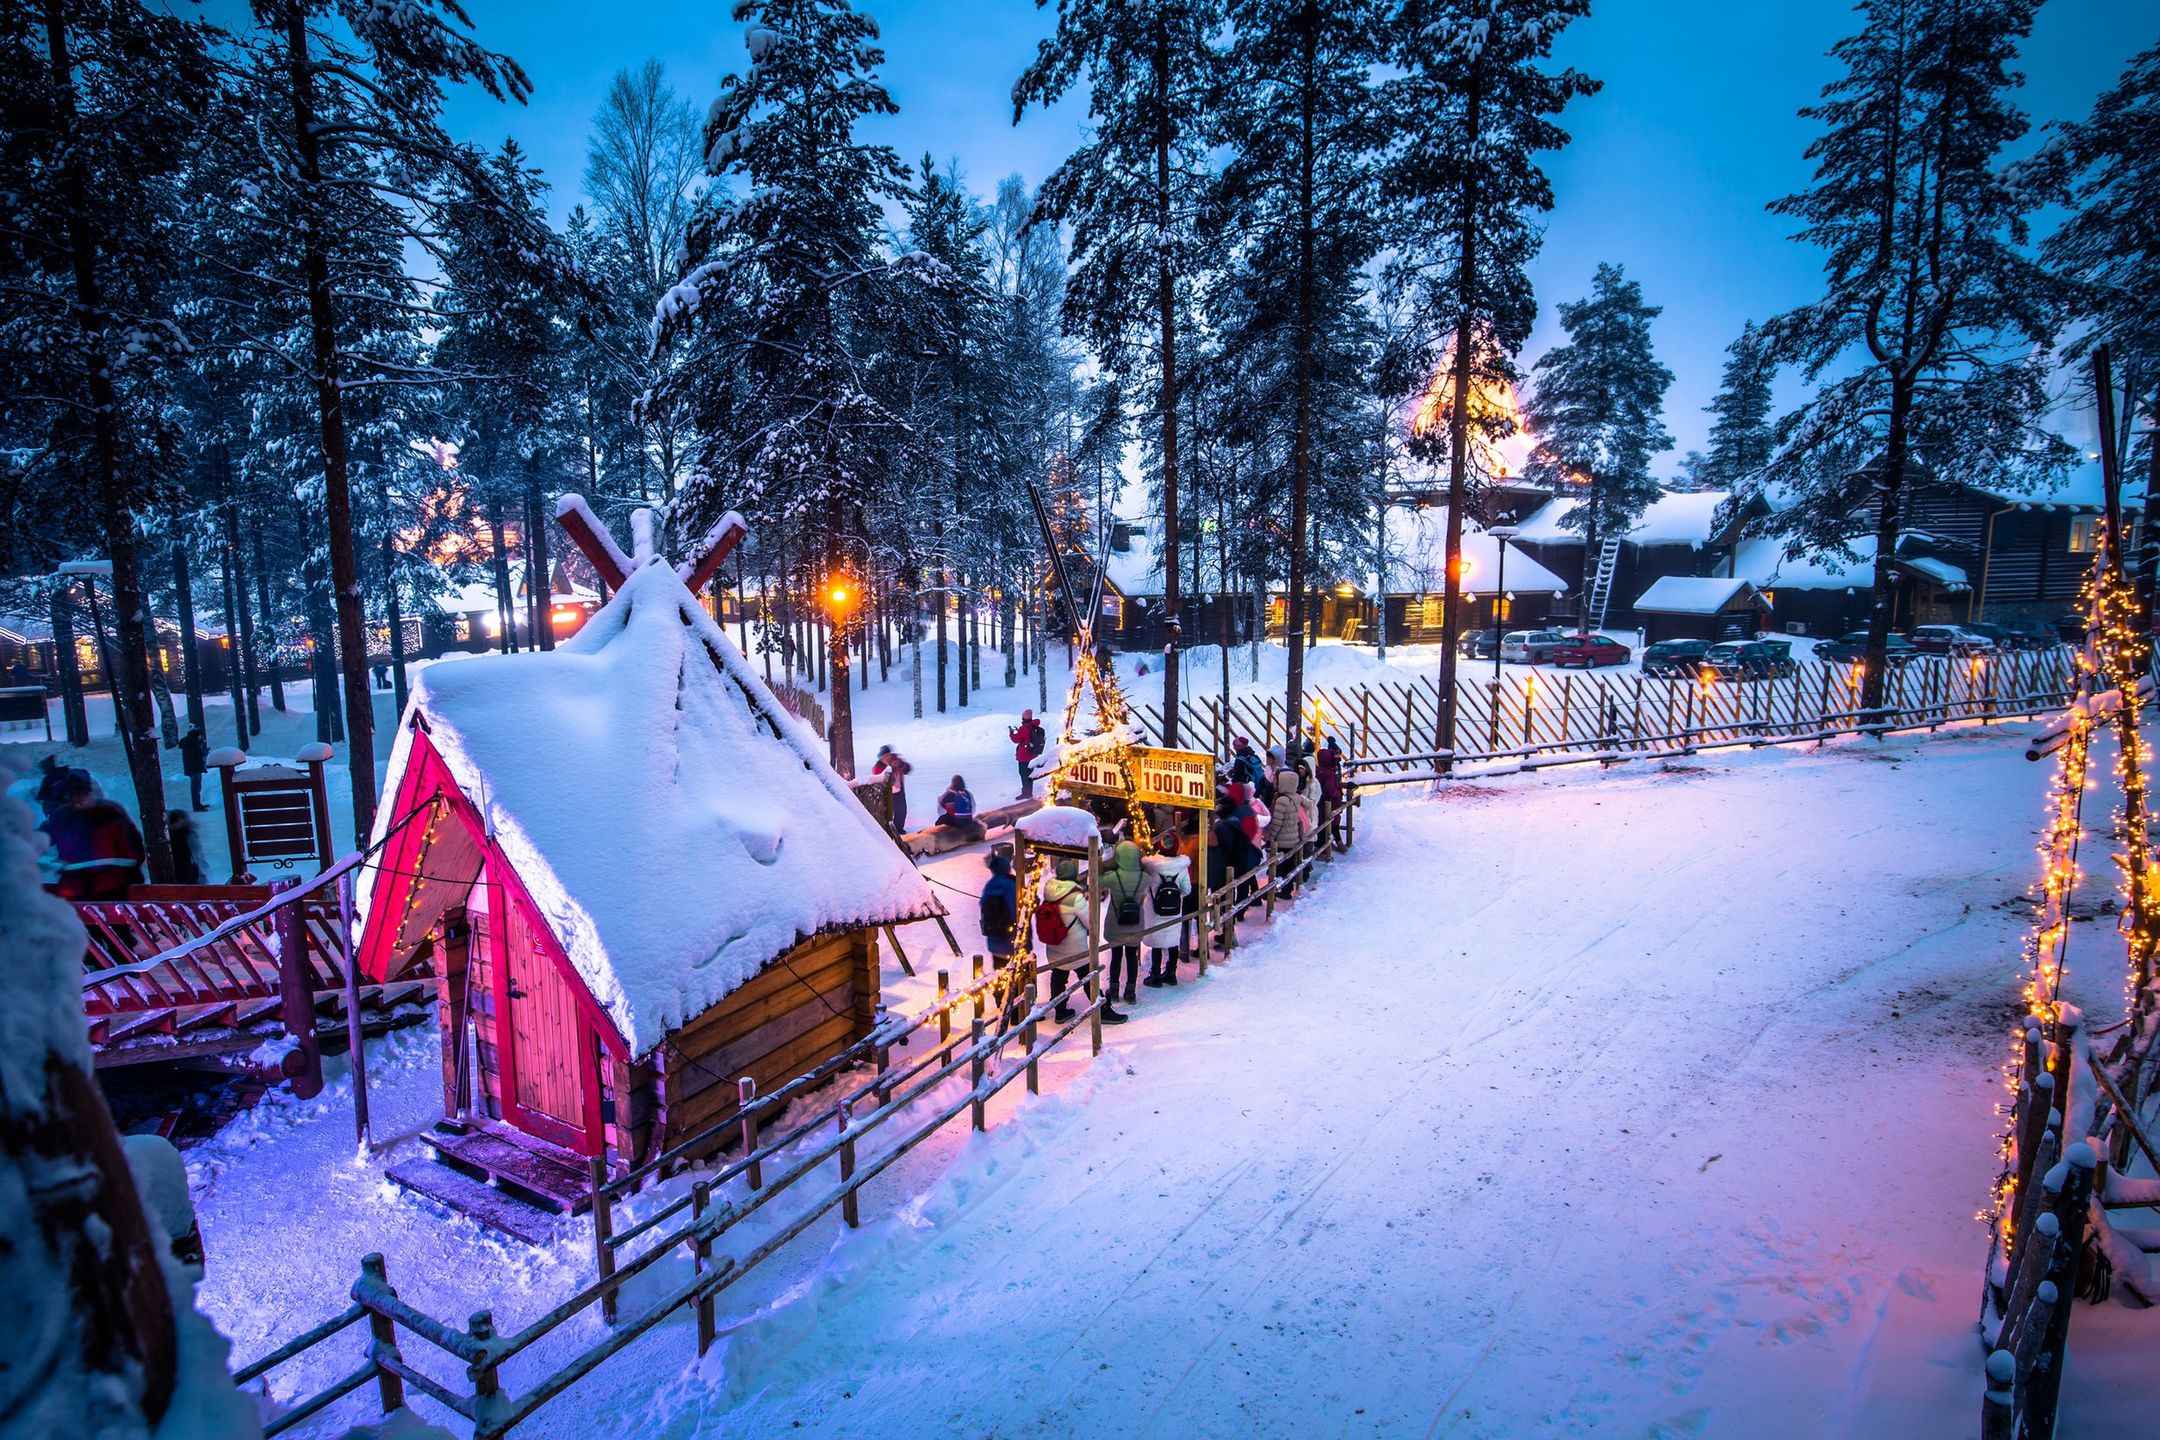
x: 2084, y: 534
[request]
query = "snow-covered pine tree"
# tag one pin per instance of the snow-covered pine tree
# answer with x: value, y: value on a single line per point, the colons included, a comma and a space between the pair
x: 100, y: 100
x: 780, y: 291
x: 1742, y: 437
x: 2106, y: 169
x: 363, y: 115
x: 1474, y: 107
x: 1131, y: 194
x: 1594, y: 406
x: 1928, y: 346
x: 1302, y: 120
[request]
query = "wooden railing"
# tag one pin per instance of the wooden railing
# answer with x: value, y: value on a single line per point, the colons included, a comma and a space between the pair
x: 1395, y: 724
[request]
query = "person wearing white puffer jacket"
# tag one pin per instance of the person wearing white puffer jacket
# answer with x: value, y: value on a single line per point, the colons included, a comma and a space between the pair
x: 1287, y: 831
x: 1169, y: 873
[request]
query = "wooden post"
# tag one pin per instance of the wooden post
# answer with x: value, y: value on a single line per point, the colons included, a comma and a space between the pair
x: 2044, y: 1393
x: 944, y: 1017
x: 603, y: 1233
x: 483, y: 1372
x: 296, y: 993
x: 975, y: 1070
x: 745, y: 1092
x: 1027, y: 1038
x: 1094, y: 970
x: 975, y: 984
x: 848, y: 1210
x: 355, y: 1049
x: 1492, y: 688
x: 389, y: 1386
x: 701, y: 1261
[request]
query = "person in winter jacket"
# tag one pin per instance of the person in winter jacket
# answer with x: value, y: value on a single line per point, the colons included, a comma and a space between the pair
x: 1308, y: 797
x: 1061, y: 925
x: 1226, y: 853
x: 194, y: 755
x: 186, y: 857
x: 890, y: 763
x: 1328, y: 766
x: 1124, y: 917
x: 957, y: 805
x: 1169, y: 875
x: 1244, y: 765
x: 1000, y: 908
x: 52, y: 781
x: 101, y: 851
x: 1286, y: 832
x: 1028, y: 740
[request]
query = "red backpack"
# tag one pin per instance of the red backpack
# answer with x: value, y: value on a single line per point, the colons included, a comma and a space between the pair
x: 1050, y: 926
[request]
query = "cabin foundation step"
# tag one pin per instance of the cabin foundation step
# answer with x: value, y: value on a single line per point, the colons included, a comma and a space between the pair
x: 496, y: 1209
x: 537, y: 1172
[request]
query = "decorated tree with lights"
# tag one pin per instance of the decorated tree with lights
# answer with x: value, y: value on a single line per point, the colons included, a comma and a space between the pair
x: 1474, y: 106
x: 1927, y: 346
x: 1595, y: 408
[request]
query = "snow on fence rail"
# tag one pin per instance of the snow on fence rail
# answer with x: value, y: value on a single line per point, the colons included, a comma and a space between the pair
x: 1394, y: 725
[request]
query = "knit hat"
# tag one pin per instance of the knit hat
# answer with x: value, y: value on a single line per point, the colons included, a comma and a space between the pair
x: 1068, y: 869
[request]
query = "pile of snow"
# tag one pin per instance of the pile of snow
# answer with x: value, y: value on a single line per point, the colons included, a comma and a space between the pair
x: 1068, y: 826
x: 676, y: 827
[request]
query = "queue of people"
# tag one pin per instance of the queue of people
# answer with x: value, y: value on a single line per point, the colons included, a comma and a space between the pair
x: 1265, y: 829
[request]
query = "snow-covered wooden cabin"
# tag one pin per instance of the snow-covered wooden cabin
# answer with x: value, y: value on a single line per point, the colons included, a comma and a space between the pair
x: 640, y: 877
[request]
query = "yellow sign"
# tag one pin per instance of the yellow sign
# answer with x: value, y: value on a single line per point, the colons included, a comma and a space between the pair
x: 1159, y: 777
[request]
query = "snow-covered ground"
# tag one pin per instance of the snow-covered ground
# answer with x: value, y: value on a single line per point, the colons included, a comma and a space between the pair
x: 1645, y: 1103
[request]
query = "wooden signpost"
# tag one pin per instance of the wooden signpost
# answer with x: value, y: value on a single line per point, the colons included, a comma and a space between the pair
x: 275, y: 815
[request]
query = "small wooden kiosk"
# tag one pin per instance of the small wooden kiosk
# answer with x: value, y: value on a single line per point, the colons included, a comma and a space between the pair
x: 639, y: 879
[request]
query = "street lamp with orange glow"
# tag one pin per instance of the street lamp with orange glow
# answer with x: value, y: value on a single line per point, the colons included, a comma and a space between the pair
x: 840, y: 595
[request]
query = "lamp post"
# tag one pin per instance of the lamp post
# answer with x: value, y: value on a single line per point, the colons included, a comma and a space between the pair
x: 839, y: 595
x: 1501, y: 534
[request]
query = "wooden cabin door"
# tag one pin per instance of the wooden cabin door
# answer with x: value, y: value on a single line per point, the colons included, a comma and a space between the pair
x: 547, y: 1046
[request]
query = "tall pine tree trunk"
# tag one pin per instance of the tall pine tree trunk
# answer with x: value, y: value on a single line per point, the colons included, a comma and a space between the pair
x: 1890, y: 490
x: 1467, y: 289
x: 236, y: 623
x: 190, y: 656
x: 329, y: 398
x: 541, y: 566
x: 267, y: 623
x: 1301, y: 425
x: 505, y: 601
x: 130, y: 686
x: 1166, y: 305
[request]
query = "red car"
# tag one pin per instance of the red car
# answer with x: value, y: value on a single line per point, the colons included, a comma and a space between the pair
x: 1588, y: 651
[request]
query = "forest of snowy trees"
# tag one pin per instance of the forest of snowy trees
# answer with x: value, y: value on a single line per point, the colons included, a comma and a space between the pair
x: 294, y: 360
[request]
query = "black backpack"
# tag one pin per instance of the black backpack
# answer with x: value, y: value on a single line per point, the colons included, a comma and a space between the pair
x: 1128, y: 906
x: 997, y: 914
x: 1169, y: 900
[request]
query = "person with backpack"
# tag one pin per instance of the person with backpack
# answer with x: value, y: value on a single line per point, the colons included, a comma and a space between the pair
x: 999, y: 908
x: 1226, y: 850
x: 1328, y: 765
x: 1061, y: 924
x: 1308, y: 799
x: 956, y: 807
x: 1286, y: 833
x: 1124, y: 901
x: 1244, y: 765
x: 1169, y: 873
x: 1028, y: 740
x: 890, y: 763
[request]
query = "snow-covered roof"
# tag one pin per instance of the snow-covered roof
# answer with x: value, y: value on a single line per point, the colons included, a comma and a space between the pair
x: 676, y: 827
x: 1691, y: 594
x: 1417, y: 559
x: 478, y: 597
x: 1677, y: 517
x: 2081, y: 489
x: 1763, y: 561
x: 1942, y: 572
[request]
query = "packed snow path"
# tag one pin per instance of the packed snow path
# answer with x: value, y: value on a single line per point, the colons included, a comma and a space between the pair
x: 1656, y: 1104
x: 1648, y: 1103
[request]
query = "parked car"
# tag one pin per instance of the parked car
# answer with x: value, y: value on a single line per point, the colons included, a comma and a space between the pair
x: 1478, y: 644
x: 2069, y: 628
x: 1750, y: 660
x: 1529, y: 647
x: 1851, y: 648
x: 1949, y: 640
x: 1589, y: 651
x: 1674, y: 657
x: 2009, y: 638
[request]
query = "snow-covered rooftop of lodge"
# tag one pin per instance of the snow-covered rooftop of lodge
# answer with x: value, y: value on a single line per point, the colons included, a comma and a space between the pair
x: 2082, y: 488
x: 478, y: 597
x: 1417, y: 559
x: 1691, y: 594
x: 1942, y: 572
x: 676, y: 827
x: 1763, y: 560
x: 1677, y: 517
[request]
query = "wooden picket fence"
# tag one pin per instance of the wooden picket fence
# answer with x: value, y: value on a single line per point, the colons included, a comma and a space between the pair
x: 1395, y: 724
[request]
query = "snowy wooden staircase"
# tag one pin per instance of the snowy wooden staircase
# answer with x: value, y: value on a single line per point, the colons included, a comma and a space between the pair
x: 503, y: 1178
x: 1599, y: 601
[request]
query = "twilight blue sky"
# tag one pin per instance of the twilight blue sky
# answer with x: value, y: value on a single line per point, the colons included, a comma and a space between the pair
x: 1669, y: 173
